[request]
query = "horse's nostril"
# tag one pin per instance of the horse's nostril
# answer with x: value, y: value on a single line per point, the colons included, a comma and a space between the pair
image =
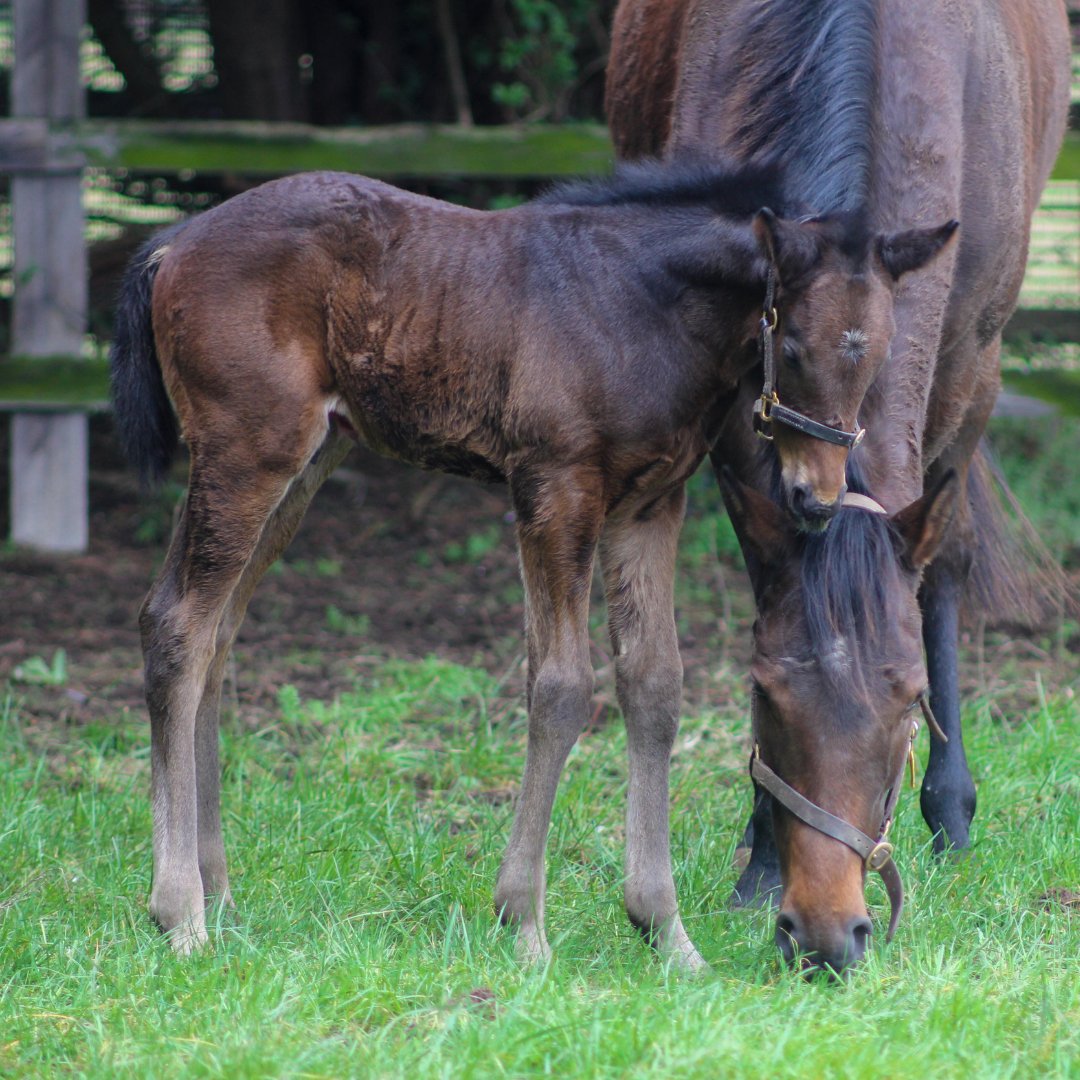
x: 787, y: 936
x: 858, y: 937
x: 801, y: 499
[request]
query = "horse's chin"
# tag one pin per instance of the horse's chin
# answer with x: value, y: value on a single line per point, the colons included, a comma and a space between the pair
x: 813, y: 523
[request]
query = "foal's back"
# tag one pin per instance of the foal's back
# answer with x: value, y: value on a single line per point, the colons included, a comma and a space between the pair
x: 453, y: 338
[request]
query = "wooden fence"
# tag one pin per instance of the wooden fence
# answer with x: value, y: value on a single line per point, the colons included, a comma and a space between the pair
x: 47, y: 142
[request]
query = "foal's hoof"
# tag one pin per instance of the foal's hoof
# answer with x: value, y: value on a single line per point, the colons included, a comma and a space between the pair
x: 687, y: 960
x: 532, y: 949
x: 181, y: 914
x: 188, y: 937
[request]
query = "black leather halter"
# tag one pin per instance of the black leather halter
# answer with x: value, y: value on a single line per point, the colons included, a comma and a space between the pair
x: 876, y: 854
x: 767, y: 408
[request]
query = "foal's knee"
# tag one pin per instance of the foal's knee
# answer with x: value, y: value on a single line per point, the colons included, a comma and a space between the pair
x: 649, y: 684
x: 560, y: 699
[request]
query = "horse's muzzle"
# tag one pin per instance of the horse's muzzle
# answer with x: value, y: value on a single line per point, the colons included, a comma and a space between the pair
x: 834, y: 953
x: 811, y: 513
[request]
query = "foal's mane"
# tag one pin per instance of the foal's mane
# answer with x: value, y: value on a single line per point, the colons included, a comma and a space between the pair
x: 737, y: 191
x: 804, y: 92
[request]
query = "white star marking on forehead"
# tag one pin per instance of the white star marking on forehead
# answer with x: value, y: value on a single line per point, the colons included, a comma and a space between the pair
x: 853, y: 344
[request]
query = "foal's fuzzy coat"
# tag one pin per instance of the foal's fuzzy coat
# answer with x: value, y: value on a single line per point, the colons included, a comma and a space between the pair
x: 584, y: 348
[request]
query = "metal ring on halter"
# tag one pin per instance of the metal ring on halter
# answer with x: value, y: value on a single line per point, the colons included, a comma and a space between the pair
x: 879, y: 855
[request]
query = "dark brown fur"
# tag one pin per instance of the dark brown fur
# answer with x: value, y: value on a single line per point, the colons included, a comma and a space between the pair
x: 901, y: 114
x: 584, y: 348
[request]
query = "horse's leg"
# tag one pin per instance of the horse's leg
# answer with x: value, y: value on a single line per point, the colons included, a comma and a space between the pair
x: 759, y: 882
x: 948, y: 792
x: 638, y: 560
x: 230, y: 499
x: 559, y: 521
x: 275, y: 537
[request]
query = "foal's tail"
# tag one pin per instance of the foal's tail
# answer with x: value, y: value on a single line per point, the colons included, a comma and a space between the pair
x: 1015, y: 581
x: 142, y: 412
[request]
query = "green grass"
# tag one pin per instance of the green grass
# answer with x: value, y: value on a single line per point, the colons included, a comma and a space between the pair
x: 364, y: 836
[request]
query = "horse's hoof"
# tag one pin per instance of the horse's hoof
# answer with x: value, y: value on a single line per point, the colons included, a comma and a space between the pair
x: 532, y: 949
x: 187, y: 938
x: 181, y: 914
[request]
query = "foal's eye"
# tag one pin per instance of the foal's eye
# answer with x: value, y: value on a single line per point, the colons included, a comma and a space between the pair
x: 792, y: 353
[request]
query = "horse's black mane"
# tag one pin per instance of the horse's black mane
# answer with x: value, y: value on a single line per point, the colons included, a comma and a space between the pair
x: 734, y: 190
x: 852, y: 586
x: 808, y: 70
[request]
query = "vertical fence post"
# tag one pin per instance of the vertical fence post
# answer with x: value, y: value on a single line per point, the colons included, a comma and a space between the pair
x: 48, y: 450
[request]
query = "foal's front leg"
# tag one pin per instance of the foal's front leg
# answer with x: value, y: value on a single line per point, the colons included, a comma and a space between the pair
x: 557, y: 541
x: 638, y: 559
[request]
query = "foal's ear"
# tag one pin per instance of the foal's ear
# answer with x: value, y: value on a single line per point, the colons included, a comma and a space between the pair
x: 901, y: 252
x: 763, y: 529
x: 792, y: 248
x: 922, y: 525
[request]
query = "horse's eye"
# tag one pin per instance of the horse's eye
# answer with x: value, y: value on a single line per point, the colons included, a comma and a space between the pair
x: 792, y: 353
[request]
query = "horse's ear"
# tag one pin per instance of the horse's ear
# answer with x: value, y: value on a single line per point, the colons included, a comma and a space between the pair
x: 792, y: 248
x: 763, y: 529
x: 901, y: 252
x: 922, y: 525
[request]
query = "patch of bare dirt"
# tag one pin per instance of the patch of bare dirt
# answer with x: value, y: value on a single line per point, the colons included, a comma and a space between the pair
x: 389, y: 562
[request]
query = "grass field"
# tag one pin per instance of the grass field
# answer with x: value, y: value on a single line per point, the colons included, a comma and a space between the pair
x: 364, y: 837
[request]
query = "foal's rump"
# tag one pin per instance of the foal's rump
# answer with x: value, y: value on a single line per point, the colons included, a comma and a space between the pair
x: 222, y: 321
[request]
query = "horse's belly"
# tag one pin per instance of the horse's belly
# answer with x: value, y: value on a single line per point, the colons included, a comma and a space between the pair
x: 398, y: 438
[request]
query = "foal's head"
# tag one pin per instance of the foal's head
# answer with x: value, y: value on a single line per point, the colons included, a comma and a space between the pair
x: 837, y: 672
x: 835, y: 286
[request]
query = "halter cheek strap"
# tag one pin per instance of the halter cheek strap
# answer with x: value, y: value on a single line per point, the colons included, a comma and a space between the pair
x: 767, y: 408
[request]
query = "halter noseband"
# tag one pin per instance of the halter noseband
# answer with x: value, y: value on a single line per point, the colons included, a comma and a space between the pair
x: 767, y: 408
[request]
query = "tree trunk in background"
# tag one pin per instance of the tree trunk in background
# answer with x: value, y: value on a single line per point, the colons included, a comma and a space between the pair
x: 257, y: 48
x: 133, y: 60
x: 332, y: 39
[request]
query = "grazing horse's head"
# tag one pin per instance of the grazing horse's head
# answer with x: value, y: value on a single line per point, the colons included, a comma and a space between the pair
x: 837, y: 674
x: 834, y: 287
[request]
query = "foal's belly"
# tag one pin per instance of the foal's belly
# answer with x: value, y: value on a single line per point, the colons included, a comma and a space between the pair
x: 409, y: 444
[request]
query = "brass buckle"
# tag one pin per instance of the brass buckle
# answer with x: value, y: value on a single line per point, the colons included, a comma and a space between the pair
x: 770, y: 320
x: 879, y: 855
x: 762, y: 418
x: 858, y: 435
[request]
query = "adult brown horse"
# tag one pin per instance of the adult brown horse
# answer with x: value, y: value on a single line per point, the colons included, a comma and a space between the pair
x: 913, y: 112
x: 583, y: 348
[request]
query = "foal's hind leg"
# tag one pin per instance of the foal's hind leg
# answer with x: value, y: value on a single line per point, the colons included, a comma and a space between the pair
x: 230, y: 500
x: 560, y: 518
x: 278, y: 532
x: 638, y: 559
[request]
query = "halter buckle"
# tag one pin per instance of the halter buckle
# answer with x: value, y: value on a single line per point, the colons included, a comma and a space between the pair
x: 762, y: 414
x: 879, y: 855
x: 770, y: 319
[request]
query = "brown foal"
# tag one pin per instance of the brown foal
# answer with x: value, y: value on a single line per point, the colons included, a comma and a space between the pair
x: 583, y: 348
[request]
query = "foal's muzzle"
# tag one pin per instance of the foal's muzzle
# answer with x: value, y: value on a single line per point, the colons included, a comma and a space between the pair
x: 809, y: 511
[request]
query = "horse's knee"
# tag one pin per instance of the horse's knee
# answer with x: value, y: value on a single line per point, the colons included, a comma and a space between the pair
x: 649, y: 686
x: 560, y: 699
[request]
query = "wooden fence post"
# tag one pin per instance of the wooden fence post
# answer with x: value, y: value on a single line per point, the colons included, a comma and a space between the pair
x: 48, y: 450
